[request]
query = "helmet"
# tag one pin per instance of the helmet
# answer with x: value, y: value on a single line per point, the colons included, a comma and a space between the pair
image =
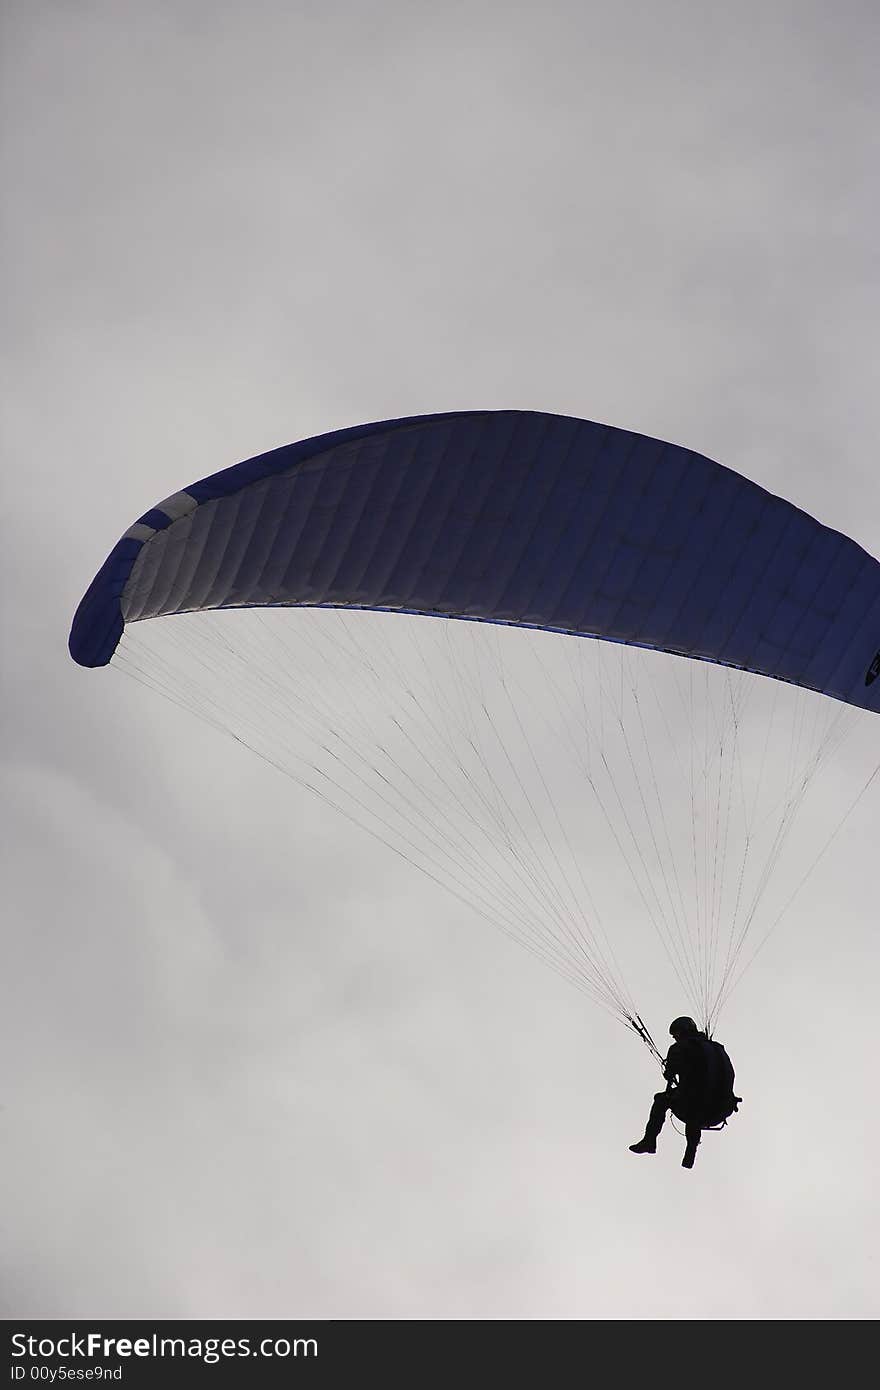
x: 682, y: 1025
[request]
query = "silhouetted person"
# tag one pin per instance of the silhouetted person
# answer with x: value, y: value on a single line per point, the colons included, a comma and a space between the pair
x: 699, y: 1089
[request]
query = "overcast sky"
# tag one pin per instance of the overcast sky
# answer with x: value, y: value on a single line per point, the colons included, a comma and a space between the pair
x: 253, y: 1066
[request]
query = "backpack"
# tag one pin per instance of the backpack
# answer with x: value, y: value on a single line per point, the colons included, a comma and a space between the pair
x: 721, y: 1103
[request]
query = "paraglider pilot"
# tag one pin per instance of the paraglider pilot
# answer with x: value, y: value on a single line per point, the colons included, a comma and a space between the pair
x: 699, y: 1089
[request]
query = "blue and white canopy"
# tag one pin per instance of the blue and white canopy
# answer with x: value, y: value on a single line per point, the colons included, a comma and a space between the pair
x: 512, y: 517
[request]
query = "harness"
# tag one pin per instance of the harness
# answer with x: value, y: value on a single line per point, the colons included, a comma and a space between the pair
x: 719, y: 1086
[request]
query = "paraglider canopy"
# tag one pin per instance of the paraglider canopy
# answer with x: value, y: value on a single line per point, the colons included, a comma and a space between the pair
x: 535, y: 528
x: 512, y: 517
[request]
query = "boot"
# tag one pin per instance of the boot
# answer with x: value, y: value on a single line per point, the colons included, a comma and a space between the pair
x: 644, y: 1146
x: 690, y: 1153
